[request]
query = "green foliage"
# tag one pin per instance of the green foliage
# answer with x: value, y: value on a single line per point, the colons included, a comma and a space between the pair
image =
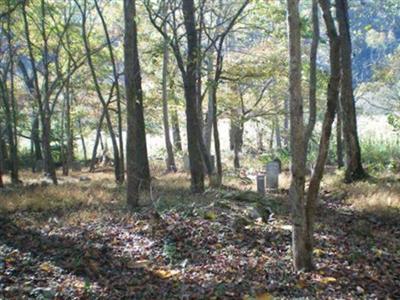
x: 282, y: 154
x: 381, y: 154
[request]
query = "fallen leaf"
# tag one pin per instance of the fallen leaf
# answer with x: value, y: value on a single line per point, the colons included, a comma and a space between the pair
x: 46, y: 267
x: 164, y: 274
x: 328, y: 280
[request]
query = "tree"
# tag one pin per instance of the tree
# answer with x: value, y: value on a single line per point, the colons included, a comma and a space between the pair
x: 189, y: 82
x: 301, y: 255
x: 42, y: 95
x: 119, y: 176
x: 170, y: 161
x: 354, y: 168
x: 138, y: 172
x: 304, y: 204
x: 117, y: 90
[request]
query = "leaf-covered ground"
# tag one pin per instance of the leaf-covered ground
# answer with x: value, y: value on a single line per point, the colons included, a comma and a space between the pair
x: 212, y: 246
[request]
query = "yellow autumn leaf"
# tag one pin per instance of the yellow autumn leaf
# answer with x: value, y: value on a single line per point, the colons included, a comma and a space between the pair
x: 318, y: 252
x: 164, y: 274
x: 328, y: 280
x: 45, y: 267
x: 210, y: 215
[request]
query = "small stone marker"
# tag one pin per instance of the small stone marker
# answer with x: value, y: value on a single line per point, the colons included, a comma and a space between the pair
x: 261, y: 184
x: 272, y: 173
x: 186, y: 162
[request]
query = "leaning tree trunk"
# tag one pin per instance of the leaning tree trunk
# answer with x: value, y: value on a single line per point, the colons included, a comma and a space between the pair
x: 332, y: 101
x: 301, y: 254
x: 354, y: 168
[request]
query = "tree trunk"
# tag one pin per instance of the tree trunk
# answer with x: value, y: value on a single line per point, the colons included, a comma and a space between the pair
x: 302, y: 258
x: 176, y: 132
x: 10, y: 132
x: 332, y: 101
x: 236, y: 138
x: 286, y: 123
x: 1, y: 158
x: 96, y: 143
x: 12, y: 118
x: 339, y: 138
x: 82, y: 141
x: 271, y: 139
x: 210, y: 112
x: 354, y: 168
x: 138, y: 172
x: 170, y: 161
x: 278, y: 133
x: 189, y: 79
x: 68, y: 129
x: 36, y: 144
x: 260, y: 139
x: 313, y: 73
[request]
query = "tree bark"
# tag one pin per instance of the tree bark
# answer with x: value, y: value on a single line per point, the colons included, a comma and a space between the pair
x: 354, y: 168
x: 176, y: 132
x: 11, y: 108
x: 189, y: 79
x: 278, y: 133
x: 170, y: 161
x: 210, y: 113
x: 138, y: 172
x: 82, y: 141
x: 339, y: 138
x: 301, y: 255
x: 313, y: 73
x: 1, y: 158
x: 92, y: 166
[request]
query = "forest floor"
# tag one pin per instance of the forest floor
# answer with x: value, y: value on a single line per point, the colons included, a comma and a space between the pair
x: 78, y: 241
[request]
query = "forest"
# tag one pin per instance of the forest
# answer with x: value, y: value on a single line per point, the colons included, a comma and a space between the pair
x: 200, y: 149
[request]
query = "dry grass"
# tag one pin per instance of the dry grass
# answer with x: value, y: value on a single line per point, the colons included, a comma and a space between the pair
x: 35, y: 195
x: 379, y: 194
